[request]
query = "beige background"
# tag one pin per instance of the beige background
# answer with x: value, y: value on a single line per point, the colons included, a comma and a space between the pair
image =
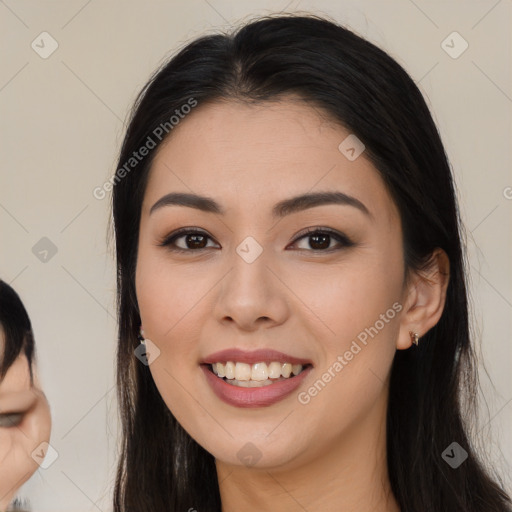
x: 61, y: 126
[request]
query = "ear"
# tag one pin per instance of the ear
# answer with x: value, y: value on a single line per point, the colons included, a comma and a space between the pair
x: 425, y: 297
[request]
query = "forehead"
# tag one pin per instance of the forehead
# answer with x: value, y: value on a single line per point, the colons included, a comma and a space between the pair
x: 256, y: 154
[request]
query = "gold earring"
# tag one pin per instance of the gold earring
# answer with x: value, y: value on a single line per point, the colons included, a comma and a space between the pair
x: 414, y: 337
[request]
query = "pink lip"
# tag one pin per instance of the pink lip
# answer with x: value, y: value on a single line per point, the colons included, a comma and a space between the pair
x: 256, y: 356
x: 253, y: 397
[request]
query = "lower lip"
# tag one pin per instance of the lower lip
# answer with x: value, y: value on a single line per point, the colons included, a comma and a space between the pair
x: 253, y: 397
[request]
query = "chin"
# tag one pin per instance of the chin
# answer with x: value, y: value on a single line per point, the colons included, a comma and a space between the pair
x: 255, y: 452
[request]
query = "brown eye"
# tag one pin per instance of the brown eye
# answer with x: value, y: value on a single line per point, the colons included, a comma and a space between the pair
x: 320, y: 240
x: 12, y: 419
x: 195, y: 241
x: 192, y: 240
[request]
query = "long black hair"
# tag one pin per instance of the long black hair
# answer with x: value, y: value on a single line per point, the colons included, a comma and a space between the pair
x: 433, y: 386
x: 17, y: 329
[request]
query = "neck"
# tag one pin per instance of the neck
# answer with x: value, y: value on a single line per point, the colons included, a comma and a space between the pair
x: 350, y: 474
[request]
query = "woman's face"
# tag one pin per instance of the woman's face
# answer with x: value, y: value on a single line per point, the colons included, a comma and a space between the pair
x: 248, y: 280
x: 24, y: 424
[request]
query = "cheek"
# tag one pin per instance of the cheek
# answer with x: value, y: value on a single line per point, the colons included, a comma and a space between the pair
x: 340, y: 302
x: 5, y: 447
x: 162, y: 293
x: 16, y: 465
x: 170, y: 310
x: 169, y: 300
x: 356, y: 323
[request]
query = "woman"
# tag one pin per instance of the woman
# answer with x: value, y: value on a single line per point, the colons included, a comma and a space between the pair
x: 288, y: 237
x: 25, y: 421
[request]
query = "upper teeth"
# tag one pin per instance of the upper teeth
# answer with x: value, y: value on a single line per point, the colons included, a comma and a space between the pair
x: 258, y: 371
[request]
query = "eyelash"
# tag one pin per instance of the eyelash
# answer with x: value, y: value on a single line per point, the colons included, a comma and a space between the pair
x: 343, y: 240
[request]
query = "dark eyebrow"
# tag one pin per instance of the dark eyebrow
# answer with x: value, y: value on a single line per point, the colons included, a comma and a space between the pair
x: 281, y: 209
x: 305, y: 201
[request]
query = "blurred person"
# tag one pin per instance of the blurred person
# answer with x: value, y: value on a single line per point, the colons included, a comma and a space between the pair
x: 25, y: 420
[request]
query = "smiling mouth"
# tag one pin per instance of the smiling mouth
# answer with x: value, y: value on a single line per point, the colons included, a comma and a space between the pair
x: 255, y: 375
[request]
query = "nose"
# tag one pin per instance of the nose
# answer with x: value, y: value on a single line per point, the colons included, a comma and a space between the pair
x: 251, y: 295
